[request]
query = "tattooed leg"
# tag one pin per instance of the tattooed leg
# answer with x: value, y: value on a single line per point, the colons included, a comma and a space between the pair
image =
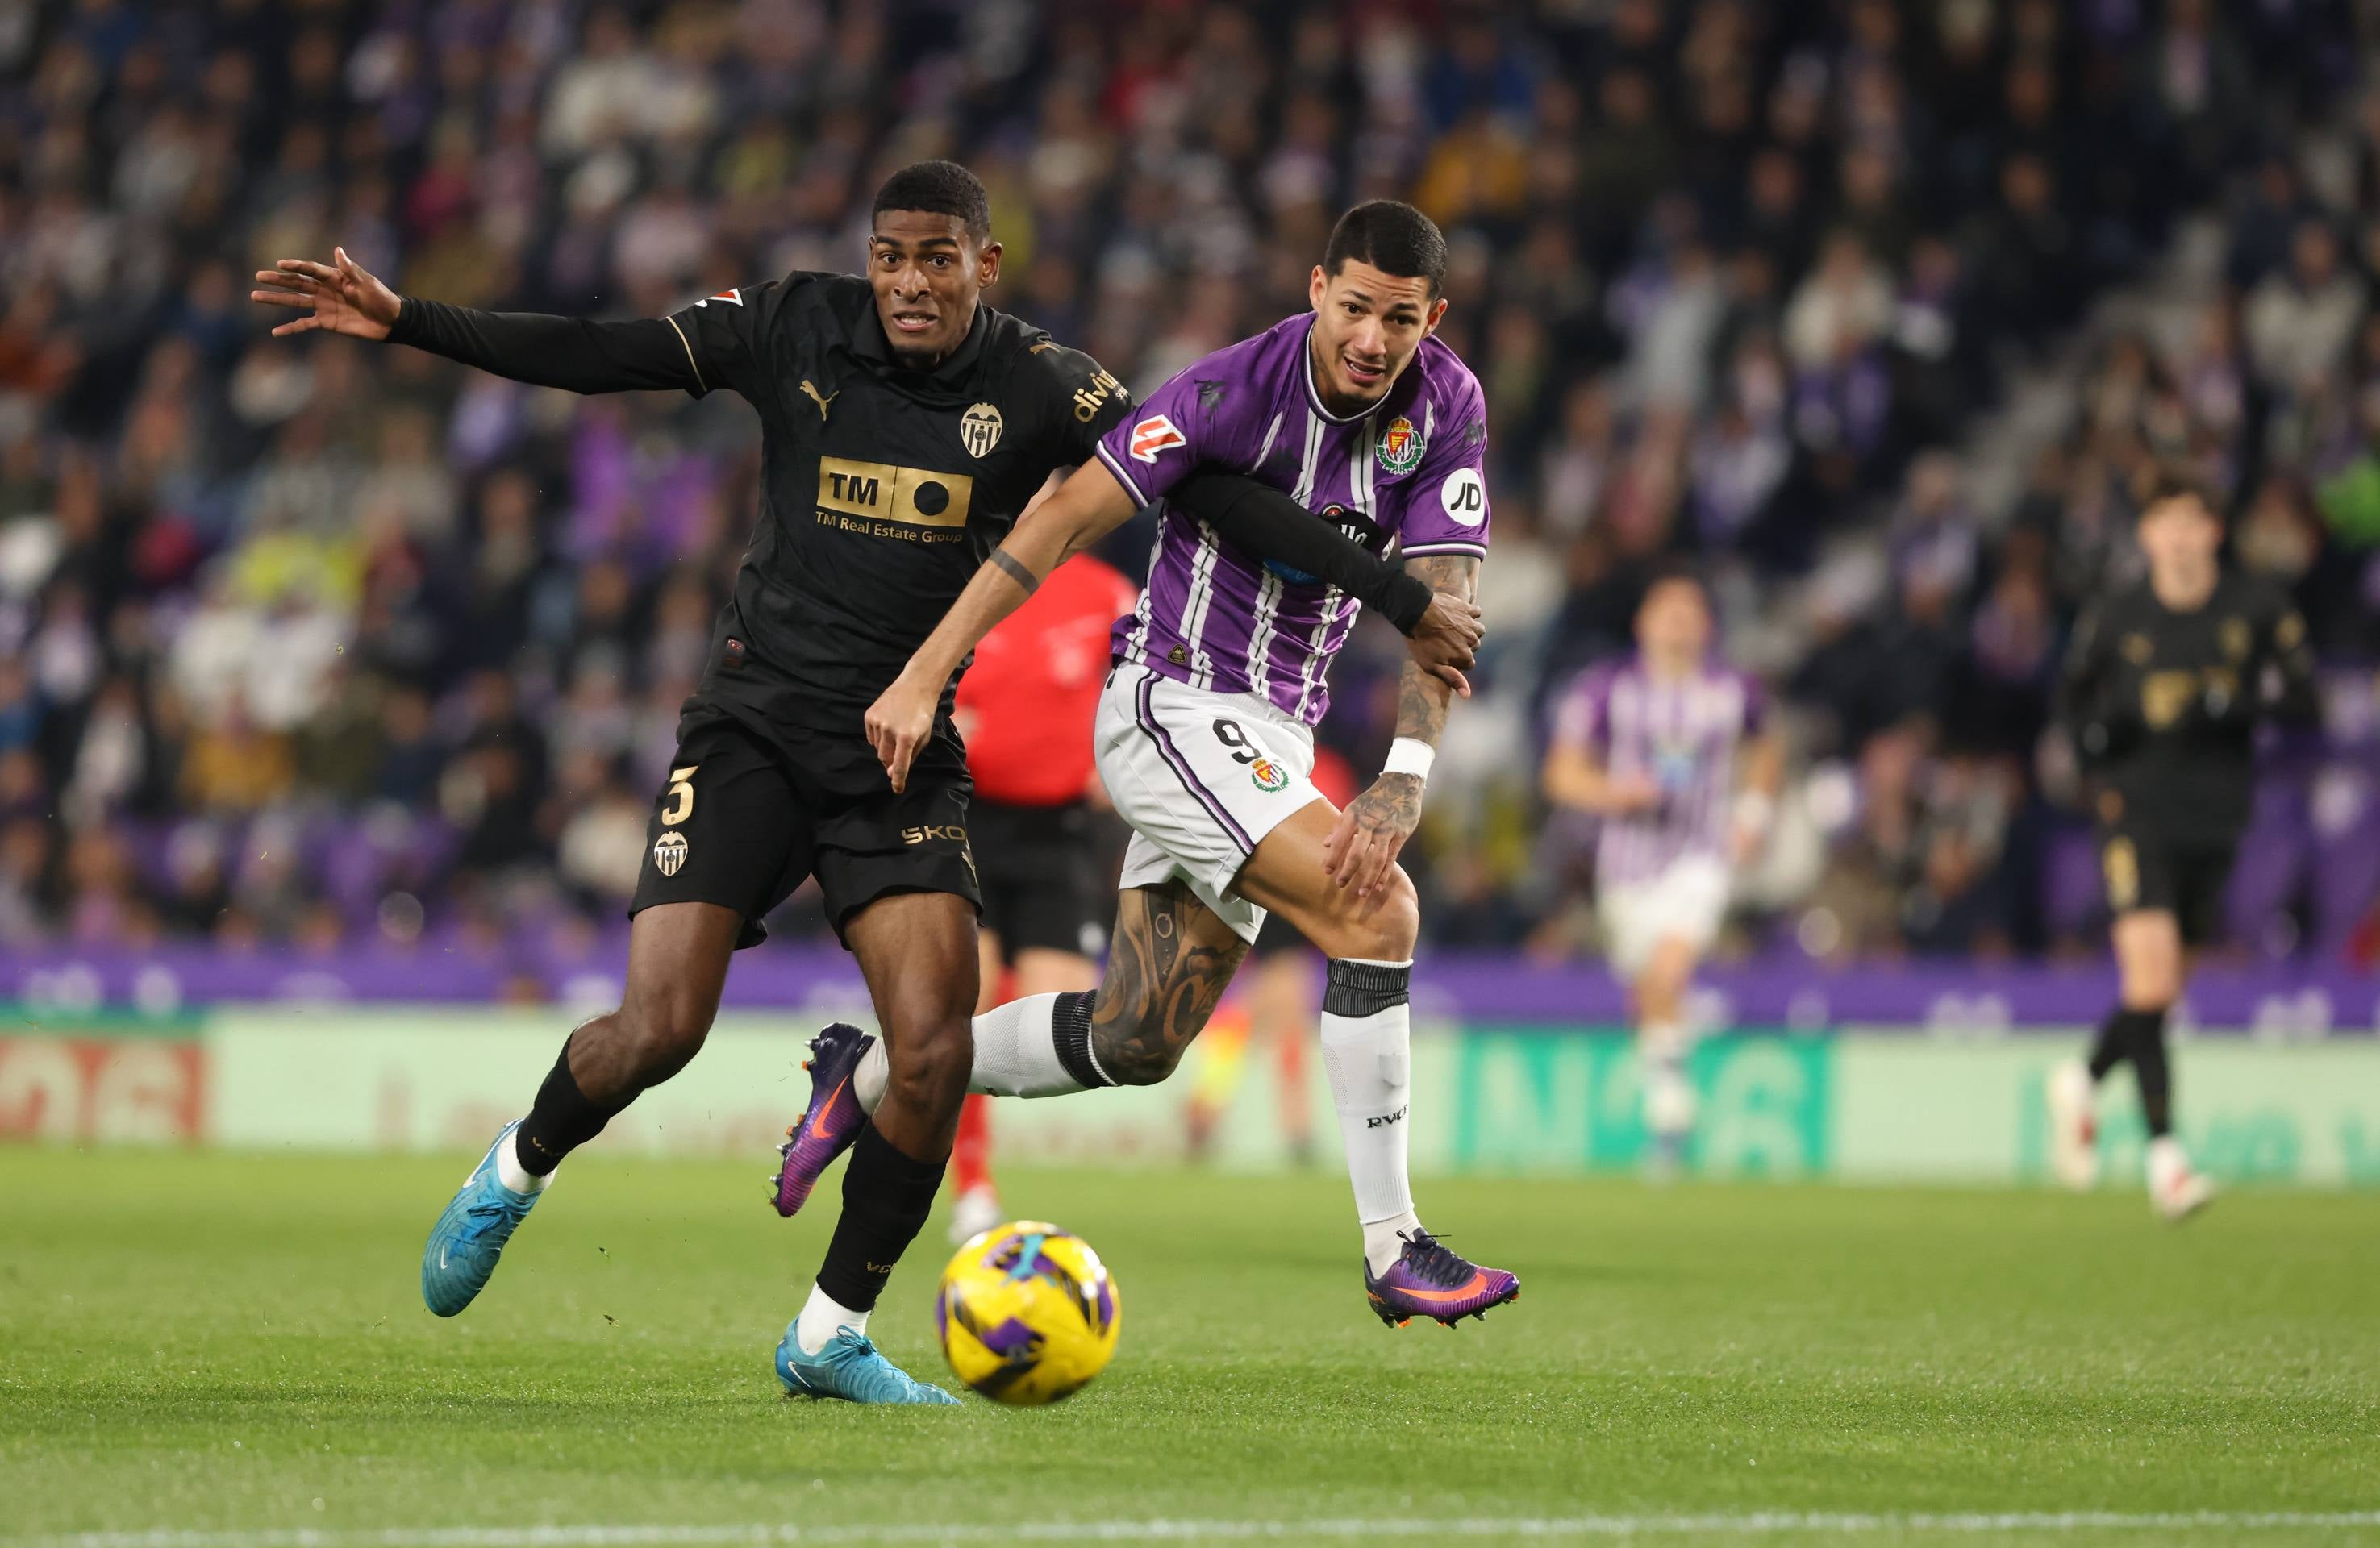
x: 1167, y: 966
x: 1169, y: 963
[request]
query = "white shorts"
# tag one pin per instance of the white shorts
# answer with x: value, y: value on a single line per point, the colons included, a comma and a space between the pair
x: 1687, y: 902
x: 1201, y: 777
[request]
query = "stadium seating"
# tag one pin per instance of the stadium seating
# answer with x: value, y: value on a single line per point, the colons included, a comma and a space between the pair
x: 1755, y: 283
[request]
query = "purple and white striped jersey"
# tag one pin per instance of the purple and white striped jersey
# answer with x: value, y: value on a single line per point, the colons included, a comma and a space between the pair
x: 1682, y: 734
x: 1407, y: 472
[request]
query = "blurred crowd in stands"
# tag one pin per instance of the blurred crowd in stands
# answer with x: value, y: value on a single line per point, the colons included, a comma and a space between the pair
x: 320, y: 642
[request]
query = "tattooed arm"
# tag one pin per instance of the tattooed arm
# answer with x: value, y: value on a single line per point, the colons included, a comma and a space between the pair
x: 1362, y: 848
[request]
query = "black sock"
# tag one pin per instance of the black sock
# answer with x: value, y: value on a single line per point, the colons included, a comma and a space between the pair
x: 2115, y: 1044
x: 560, y: 1121
x: 886, y: 1197
x: 2153, y: 1073
x: 1352, y: 988
x: 1070, y: 1032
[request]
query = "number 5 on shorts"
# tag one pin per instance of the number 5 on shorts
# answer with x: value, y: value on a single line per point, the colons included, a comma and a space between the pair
x: 681, y: 794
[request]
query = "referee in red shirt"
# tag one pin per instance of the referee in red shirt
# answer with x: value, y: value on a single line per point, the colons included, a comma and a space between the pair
x: 1025, y: 711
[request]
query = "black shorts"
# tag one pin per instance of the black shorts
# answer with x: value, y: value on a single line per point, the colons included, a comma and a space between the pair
x: 743, y: 820
x: 2148, y: 866
x: 1041, y: 890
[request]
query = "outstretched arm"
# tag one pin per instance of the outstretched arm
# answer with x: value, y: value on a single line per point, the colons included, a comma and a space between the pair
x: 1363, y: 846
x: 1087, y: 508
x: 571, y: 352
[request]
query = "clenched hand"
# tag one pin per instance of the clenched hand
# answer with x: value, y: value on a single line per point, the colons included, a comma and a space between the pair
x: 1447, y: 639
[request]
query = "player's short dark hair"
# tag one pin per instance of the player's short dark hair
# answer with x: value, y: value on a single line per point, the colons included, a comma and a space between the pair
x: 1392, y: 238
x: 1677, y: 571
x: 2171, y: 481
x: 938, y: 188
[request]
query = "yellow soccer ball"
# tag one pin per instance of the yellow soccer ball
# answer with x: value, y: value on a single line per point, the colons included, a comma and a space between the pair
x: 1026, y: 1313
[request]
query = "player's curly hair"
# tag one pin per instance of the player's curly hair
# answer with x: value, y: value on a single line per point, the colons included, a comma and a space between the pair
x: 938, y: 188
x: 1392, y: 238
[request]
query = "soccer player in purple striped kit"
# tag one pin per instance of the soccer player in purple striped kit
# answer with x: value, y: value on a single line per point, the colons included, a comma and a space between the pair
x: 1353, y: 412
x: 1656, y: 746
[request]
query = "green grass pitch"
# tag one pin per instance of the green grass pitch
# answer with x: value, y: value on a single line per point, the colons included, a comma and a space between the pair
x: 202, y: 1347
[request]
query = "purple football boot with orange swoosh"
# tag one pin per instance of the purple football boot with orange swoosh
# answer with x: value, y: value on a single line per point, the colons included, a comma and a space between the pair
x: 832, y: 1122
x: 1429, y: 1281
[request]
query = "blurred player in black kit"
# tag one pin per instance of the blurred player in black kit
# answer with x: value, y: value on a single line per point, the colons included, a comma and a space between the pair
x: 2165, y: 683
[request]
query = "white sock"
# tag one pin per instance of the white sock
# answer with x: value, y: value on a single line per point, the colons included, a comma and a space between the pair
x: 2166, y: 1162
x: 512, y: 1174
x: 868, y: 1079
x: 821, y: 1315
x: 1367, y: 1052
x: 1384, y: 1240
x: 1016, y: 1055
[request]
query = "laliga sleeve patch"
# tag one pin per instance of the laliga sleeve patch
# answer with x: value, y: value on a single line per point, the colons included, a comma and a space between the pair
x: 1153, y: 435
x: 1465, y: 497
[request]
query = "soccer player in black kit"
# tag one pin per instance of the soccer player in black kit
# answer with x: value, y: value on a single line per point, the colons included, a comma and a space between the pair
x: 2165, y: 685
x: 903, y: 427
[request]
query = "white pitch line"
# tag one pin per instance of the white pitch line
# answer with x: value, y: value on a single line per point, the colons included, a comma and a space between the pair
x: 1759, y: 1524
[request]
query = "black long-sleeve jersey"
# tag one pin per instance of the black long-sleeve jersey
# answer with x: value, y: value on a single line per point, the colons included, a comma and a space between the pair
x: 882, y: 490
x: 2164, y: 706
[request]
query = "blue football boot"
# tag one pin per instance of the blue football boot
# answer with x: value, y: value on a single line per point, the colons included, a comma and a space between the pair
x: 470, y: 1238
x: 850, y: 1368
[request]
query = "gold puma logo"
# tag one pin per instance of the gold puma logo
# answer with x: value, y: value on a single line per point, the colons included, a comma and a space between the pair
x: 821, y: 402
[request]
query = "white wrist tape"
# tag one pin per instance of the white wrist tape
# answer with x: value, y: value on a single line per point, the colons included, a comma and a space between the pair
x: 1755, y: 810
x: 1409, y: 755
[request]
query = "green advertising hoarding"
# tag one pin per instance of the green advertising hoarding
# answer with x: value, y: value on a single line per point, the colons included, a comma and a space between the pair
x: 1881, y: 1103
x: 1527, y: 1100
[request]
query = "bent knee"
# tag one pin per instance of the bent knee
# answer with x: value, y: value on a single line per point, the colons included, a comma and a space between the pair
x: 2148, y: 967
x: 664, y: 1033
x: 2152, y: 990
x: 1141, y: 1061
x: 932, y: 1058
x: 1140, y: 1032
x: 1381, y: 928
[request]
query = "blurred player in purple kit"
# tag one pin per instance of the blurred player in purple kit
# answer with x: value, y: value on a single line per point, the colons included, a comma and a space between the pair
x: 1667, y: 748
x: 1205, y: 736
